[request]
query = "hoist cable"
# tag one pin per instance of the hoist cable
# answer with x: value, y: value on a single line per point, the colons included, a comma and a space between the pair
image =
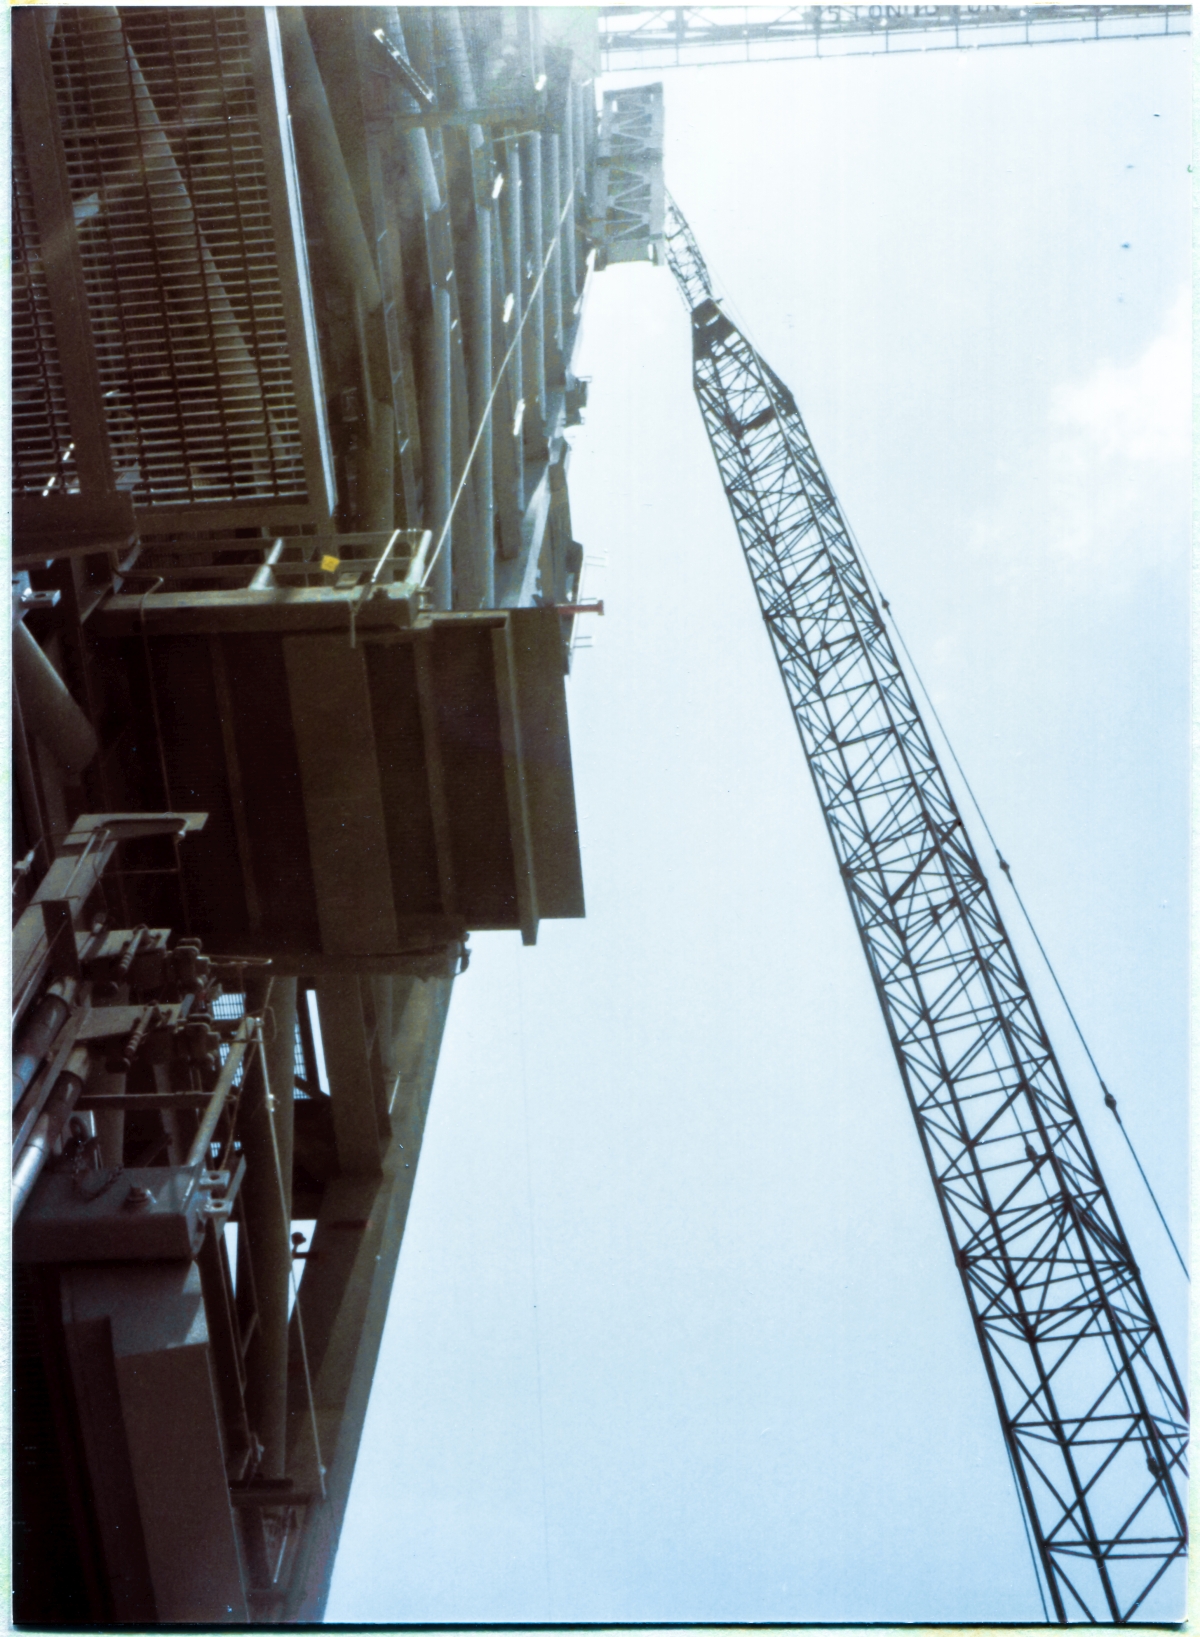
x: 1110, y: 1102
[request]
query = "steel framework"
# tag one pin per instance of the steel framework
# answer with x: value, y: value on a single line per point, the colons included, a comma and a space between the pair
x: 655, y: 37
x: 1091, y: 1404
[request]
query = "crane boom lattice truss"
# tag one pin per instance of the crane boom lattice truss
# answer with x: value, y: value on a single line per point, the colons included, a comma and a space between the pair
x: 1091, y: 1404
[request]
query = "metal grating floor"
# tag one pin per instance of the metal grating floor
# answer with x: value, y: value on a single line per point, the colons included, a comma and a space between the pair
x: 161, y: 133
x: 41, y: 433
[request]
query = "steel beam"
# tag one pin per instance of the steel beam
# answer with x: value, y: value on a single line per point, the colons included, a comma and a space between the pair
x: 266, y: 1132
x: 659, y: 37
x: 354, y: 1096
x: 343, y: 1302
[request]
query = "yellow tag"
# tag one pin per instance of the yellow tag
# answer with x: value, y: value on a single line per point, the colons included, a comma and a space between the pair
x: 330, y: 563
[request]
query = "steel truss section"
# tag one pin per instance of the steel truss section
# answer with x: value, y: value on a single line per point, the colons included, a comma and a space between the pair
x: 1091, y: 1404
x: 656, y: 37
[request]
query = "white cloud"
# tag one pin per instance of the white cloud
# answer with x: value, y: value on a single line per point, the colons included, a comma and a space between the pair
x: 1104, y: 492
x: 1139, y: 413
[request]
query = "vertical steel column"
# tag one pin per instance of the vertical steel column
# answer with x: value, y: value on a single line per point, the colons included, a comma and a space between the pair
x: 474, y: 580
x: 553, y: 205
x: 535, y: 326
x: 572, y: 181
x: 584, y: 102
x: 481, y: 387
x: 437, y: 433
x: 507, y: 468
x: 510, y: 201
x: 585, y: 118
x: 462, y: 494
x: 418, y: 146
x: 440, y: 446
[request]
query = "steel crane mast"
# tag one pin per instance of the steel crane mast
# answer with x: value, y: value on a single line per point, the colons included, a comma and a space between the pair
x: 1092, y: 1407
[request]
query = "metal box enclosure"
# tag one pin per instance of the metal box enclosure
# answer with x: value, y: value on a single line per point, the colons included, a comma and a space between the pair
x: 371, y: 800
x: 63, y: 1222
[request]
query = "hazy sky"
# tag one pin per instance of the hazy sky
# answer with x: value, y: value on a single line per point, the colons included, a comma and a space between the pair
x: 676, y: 1333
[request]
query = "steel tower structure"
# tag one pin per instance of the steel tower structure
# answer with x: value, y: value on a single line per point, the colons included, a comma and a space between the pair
x: 657, y: 37
x: 1091, y: 1404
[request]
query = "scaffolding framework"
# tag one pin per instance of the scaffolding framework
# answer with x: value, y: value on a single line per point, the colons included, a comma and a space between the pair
x: 1091, y: 1405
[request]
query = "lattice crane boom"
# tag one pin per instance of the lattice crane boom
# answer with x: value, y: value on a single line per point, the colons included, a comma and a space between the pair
x: 1092, y: 1407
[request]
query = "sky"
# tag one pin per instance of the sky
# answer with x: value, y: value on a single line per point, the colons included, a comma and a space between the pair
x: 676, y: 1334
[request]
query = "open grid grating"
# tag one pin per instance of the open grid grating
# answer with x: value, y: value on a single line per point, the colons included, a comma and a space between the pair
x: 230, y: 1006
x: 41, y: 432
x: 165, y: 158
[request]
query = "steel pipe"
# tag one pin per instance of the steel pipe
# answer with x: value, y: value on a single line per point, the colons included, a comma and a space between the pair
x: 49, y: 712
x: 198, y: 1152
x: 48, y: 1127
x: 454, y: 49
x: 552, y: 206
x: 535, y: 325
x: 376, y: 471
x: 35, y: 1041
x: 507, y: 469
x: 568, y: 230
x: 474, y: 575
x: 343, y: 240
x: 440, y: 448
x: 475, y: 567
x: 438, y: 396
x: 463, y: 531
x: 263, y: 579
x: 27, y: 784
x: 510, y: 204
x: 418, y: 147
